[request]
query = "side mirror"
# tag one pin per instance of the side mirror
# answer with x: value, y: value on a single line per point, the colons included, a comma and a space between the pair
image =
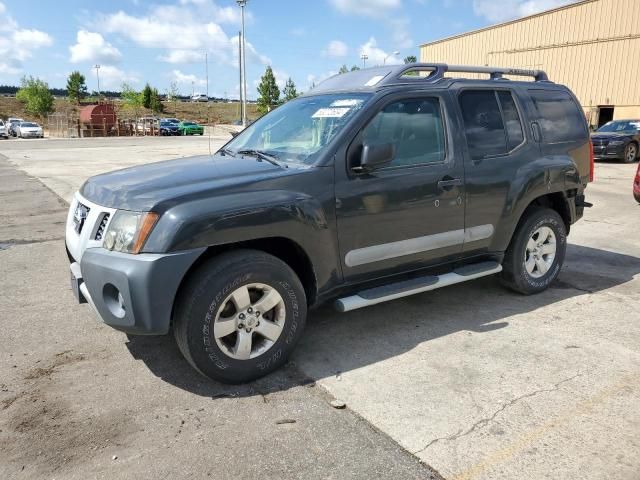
x: 376, y: 156
x: 234, y: 134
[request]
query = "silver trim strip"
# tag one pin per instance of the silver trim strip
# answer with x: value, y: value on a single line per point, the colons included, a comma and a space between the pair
x: 356, y: 301
x: 385, y: 251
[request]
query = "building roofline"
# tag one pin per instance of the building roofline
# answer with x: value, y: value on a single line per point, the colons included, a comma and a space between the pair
x: 510, y: 22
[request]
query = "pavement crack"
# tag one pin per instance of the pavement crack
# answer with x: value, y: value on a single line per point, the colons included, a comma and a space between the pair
x: 485, y: 421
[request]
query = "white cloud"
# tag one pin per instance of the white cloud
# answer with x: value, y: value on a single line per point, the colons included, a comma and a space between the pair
x: 185, y: 33
x: 111, y: 78
x: 336, y: 49
x: 187, y: 78
x: 377, y: 55
x: 503, y: 10
x: 182, y: 56
x: 18, y: 44
x: 92, y: 47
x: 366, y: 8
x: 400, y: 32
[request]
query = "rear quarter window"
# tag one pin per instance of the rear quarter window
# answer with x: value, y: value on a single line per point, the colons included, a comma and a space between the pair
x: 561, y: 119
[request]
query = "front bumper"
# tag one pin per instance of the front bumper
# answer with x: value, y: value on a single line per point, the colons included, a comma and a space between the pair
x: 608, y: 151
x: 132, y: 293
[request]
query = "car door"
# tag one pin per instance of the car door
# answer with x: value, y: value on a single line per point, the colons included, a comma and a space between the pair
x: 409, y: 214
x: 498, y: 147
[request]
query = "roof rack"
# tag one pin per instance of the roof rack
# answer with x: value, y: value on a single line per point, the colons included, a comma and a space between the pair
x: 439, y: 69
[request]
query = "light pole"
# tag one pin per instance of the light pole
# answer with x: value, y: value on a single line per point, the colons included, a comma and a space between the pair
x: 97, y: 67
x: 390, y: 55
x: 364, y: 58
x: 243, y: 65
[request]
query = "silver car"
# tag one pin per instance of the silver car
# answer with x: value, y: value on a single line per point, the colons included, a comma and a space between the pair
x: 4, y: 132
x: 29, y: 130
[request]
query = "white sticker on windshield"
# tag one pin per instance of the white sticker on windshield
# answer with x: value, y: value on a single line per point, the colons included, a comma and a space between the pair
x: 374, y: 80
x: 330, y: 113
x: 347, y: 102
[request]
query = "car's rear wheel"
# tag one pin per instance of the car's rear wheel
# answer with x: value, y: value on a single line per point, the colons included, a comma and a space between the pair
x: 239, y: 316
x: 630, y: 153
x: 536, y: 252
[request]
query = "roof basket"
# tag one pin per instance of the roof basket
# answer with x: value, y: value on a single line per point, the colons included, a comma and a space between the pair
x: 439, y: 69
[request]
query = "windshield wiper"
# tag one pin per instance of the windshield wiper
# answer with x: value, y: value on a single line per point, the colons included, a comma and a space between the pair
x: 226, y: 151
x: 268, y: 157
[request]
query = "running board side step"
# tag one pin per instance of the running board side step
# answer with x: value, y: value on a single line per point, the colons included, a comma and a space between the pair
x: 405, y: 288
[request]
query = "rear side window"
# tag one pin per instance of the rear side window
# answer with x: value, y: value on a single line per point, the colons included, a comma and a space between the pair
x: 492, y: 122
x: 511, y: 119
x: 414, y: 126
x: 560, y: 118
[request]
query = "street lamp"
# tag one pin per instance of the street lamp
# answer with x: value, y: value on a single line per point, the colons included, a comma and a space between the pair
x: 97, y: 67
x: 243, y: 65
x: 364, y: 58
x: 390, y: 55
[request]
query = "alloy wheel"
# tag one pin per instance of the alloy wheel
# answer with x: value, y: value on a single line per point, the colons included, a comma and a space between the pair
x: 540, y: 252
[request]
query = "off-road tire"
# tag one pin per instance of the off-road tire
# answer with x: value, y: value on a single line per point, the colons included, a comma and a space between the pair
x: 203, y: 295
x: 514, y: 274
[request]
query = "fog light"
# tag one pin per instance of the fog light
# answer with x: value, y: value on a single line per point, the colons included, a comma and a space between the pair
x: 113, y: 300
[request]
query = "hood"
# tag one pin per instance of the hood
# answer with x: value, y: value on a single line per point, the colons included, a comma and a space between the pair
x: 30, y: 129
x: 158, y: 186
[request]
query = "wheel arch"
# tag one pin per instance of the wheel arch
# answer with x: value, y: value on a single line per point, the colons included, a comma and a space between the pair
x: 285, y: 249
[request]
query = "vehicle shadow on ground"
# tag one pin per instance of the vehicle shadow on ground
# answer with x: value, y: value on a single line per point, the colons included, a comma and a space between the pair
x: 335, y: 343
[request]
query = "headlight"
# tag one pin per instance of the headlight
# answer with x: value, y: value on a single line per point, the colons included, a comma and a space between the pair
x: 616, y: 142
x: 129, y: 230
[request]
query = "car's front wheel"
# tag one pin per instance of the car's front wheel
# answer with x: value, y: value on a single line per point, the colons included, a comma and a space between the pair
x: 536, y: 252
x: 239, y: 316
x: 630, y: 153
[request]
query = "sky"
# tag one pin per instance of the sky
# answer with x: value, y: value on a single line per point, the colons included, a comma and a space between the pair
x: 162, y: 42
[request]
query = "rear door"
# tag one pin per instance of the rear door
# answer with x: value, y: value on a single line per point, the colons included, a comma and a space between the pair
x: 497, y: 146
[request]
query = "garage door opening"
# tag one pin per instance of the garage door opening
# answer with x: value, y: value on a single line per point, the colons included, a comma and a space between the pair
x: 605, y: 115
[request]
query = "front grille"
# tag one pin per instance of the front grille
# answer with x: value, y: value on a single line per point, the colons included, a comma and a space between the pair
x: 102, y: 226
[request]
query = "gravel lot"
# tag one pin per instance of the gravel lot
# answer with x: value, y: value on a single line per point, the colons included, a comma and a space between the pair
x: 472, y: 380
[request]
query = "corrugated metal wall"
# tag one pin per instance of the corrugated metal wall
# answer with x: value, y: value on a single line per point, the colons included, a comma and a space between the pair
x: 593, y: 47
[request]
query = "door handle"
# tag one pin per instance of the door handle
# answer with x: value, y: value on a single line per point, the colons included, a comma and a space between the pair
x: 447, y: 183
x: 535, y: 130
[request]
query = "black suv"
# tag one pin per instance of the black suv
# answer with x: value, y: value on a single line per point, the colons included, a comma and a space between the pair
x: 377, y: 184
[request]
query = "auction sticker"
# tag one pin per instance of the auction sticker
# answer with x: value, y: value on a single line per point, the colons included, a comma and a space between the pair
x: 330, y: 113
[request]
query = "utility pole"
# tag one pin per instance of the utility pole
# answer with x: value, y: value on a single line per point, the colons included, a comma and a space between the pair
x: 206, y: 66
x: 243, y: 57
x: 240, y: 70
x: 97, y: 67
x: 193, y: 89
x: 364, y: 58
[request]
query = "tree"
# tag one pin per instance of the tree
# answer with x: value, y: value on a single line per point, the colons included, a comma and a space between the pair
x: 155, y: 103
x: 35, y: 94
x: 268, y: 91
x: 76, y: 87
x: 354, y: 68
x: 343, y: 69
x: 410, y: 59
x: 132, y: 99
x: 289, y: 90
x: 173, y: 93
x: 146, y: 96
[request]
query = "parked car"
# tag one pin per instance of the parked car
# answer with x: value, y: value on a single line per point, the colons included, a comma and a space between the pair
x: 190, y: 128
x: 170, y: 120
x: 636, y: 185
x: 376, y: 185
x: 145, y: 124
x: 29, y: 130
x: 168, y: 128
x: 199, y: 97
x: 12, y: 123
x: 618, y: 139
x: 4, y: 133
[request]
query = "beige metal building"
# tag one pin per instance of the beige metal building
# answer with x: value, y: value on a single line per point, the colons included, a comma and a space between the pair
x: 592, y: 46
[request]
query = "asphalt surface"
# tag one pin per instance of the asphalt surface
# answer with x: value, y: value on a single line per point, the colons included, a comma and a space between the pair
x: 78, y: 400
x: 473, y: 380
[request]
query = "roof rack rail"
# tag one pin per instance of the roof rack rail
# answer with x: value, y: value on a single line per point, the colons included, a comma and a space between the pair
x: 439, y: 69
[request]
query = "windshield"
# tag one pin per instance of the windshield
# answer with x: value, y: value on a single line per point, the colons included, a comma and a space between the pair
x: 298, y: 130
x: 26, y: 124
x: 621, y: 126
